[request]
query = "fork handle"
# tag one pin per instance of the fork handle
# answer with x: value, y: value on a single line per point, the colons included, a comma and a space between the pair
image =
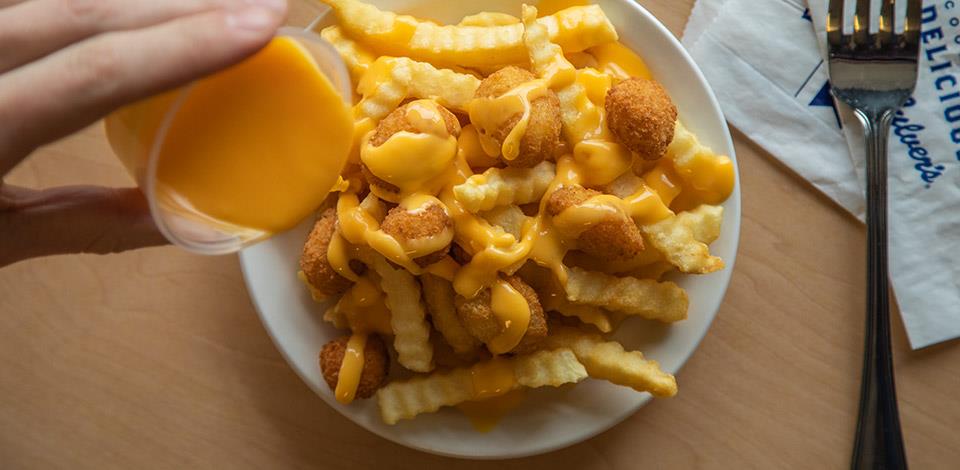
x: 879, y: 444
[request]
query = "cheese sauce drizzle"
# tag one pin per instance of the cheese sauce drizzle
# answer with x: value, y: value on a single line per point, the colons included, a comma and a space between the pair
x: 487, y: 114
x: 365, y: 312
x: 420, y: 169
x: 513, y: 312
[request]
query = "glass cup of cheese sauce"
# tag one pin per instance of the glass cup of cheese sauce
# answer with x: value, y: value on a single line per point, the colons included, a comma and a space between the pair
x: 243, y: 154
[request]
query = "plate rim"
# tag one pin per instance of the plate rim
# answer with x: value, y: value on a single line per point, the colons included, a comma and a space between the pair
x: 735, y: 199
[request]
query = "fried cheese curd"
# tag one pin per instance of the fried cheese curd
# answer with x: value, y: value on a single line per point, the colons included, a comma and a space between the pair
x: 614, y: 238
x: 479, y: 318
x: 376, y: 363
x: 535, y: 108
x: 505, y: 172
x: 323, y: 280
x: 428, y: 225
x: 642, y: 116
x: 418, y: 127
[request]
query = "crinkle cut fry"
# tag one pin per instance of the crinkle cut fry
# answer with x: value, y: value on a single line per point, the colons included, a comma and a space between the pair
x: 683, y: 239
x: 505, y: 186
x: 588, y: 314
x: 575, y: 29
x: 408, y: 318
x: 439, y: 296
x: 391, y: 80
x: 578, y: 114
x: 426, y: 394
x: 607, y: 360
x: 355, y: 55
x: 510, y: 218
x: 646, y: 298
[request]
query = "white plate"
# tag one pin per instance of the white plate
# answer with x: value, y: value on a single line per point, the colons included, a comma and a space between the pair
x: 549, y: 419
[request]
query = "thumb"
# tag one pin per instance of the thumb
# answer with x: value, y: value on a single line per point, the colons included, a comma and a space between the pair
x: 73, y: 219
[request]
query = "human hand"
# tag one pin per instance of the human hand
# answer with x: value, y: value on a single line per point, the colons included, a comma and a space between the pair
x: 65, y: 64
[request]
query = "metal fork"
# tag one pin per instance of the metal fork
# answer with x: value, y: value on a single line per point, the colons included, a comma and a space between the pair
x: 875, y: 73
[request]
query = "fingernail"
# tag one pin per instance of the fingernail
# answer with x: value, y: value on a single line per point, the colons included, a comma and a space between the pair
x: 253, y: 18
x: 279, y: 6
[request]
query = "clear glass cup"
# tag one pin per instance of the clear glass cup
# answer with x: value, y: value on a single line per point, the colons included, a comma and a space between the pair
x: 137, y: 133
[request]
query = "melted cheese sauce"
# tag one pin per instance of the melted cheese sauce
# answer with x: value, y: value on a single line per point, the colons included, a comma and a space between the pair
x: 366, y: 312
x: 359, y: 225
x: 361, y: 128
x: 260, y: 163
x: 492, y: 378
x: 495, y: 393
x: 338, y: 255
x: 513, y: 312
x: 413, y: 162
x: 351, y: 368
x: 426, y: 165
x: 574, y: 220
x: 471, y: 150
x: 488, y: 114
x: 646, y: 207
x: 619, y: 61
x: 602, y: 161
x: 708, y: 180
x: 415, y: 248
x: 663, y: 181
x: 365, y: 308
x: 484, y: 415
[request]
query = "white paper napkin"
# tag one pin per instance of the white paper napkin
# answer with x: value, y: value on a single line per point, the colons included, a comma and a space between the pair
x: 765, y: 61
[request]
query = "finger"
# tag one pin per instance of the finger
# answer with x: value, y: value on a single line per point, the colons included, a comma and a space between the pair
x: 73, y: 219
x: 70, y: 89
x: 36, y: 28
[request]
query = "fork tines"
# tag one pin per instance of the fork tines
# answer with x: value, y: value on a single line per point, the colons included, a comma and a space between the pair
x: 885, y: 38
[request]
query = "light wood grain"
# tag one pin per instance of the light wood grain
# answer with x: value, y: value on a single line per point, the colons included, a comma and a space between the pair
x: 156, y: 359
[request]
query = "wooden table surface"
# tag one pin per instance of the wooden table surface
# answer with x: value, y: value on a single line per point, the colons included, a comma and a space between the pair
x: 156, y: 358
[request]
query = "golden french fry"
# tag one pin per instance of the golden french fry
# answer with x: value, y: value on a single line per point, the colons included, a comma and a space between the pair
x: 647, y: 257
x: 488, y: 18
x: 505, y: 186
x: 700, y: 167
x: 510, y: 218
x: 607, y: 360
x: 548, y: 369
x: 683, y: 239
x: 391, y: 80
x: 588, y: 314
x: 355, y: 55
x: 439, y: 296
x: 446, y: 358
x: 553, y: 299
x: 654, y: 271
x: 574, y: 29
x: 625, y: 185
x: 406, y: 399
x: 582, y: 119
x: 546, y: 58
x: 646, y: 298
x: 408, y: 318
